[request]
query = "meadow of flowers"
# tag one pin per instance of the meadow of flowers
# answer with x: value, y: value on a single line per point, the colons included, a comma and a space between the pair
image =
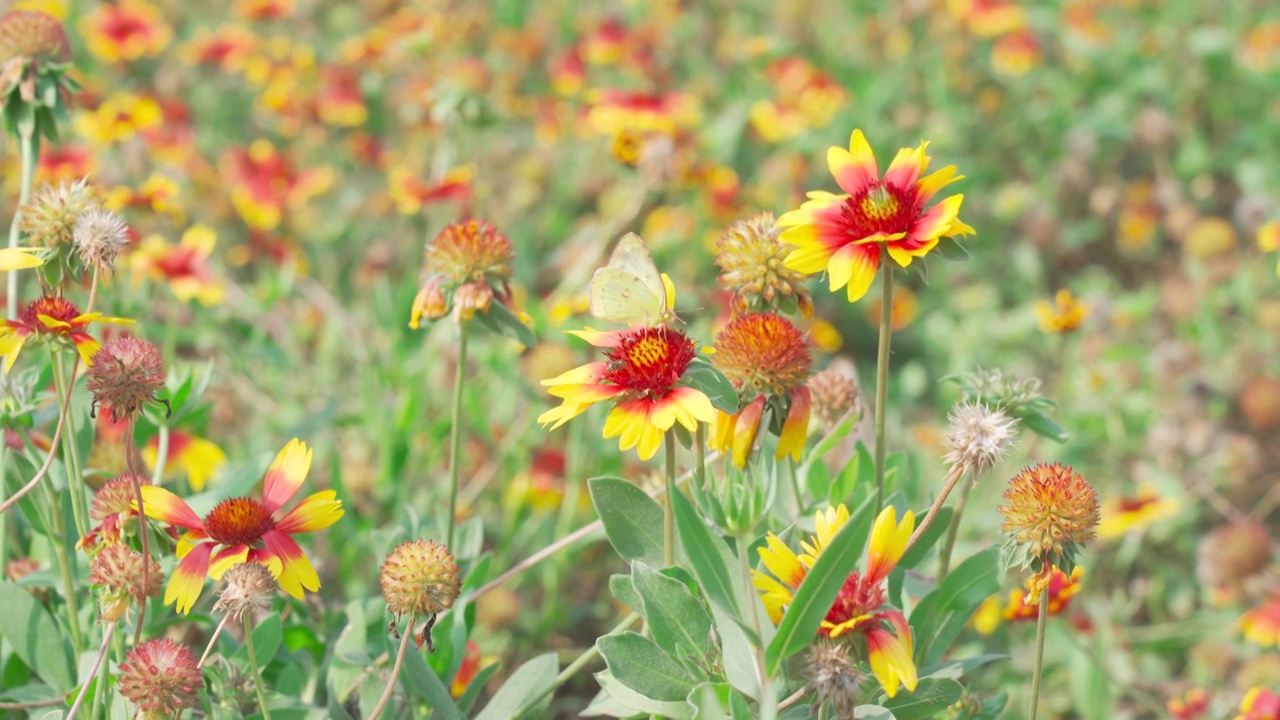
x: 492, y: 360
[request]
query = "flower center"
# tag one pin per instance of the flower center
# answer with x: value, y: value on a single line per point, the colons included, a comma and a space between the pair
x: 650, y: 360
x: 879, y: 209
x: 238, y: 521
x: 1134, y: 504
x: 53, y: 306
x: 763, y: 352
x: 856, y: 597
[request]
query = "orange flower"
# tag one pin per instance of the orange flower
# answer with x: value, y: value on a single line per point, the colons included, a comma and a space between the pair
x: 243, y: 530
x: 127, y: 30
x: 184, y: 266
x: 265, y: 183
x: 1064, y: 314
x: 52, y: 318
x: 410, y: 194
x: 846, y: 235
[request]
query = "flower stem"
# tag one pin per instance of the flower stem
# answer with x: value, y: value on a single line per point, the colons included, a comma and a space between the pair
x: 587, y: 656
x: 142, y: 523
x: 4, y: 477
x: 949, y: 543
x: 253, y: 666
x: 70, y: 453
x: 93, y: 671
x: 700, y: 455
x: 953, y: 476
x: 455, y: 432
x: 162, y: 454
x: 882, y: 374
x: 668, y: 508
x: 60, y: 549
x: 768, y: 698
x: 28, y: 149
x: 395, y: 671
x: 1041, y: 623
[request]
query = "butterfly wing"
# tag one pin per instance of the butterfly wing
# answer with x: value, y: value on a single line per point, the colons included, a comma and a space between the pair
x: 632, y: 256
x: 620, y: 296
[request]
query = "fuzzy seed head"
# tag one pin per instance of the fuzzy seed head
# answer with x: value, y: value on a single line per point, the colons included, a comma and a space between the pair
x: 1233, y: 554
x: 249, y: 588
x: 125, y: 375
x: 117, y: 570
x: 834, y: 393
x: 750, y: 255
x: 99, y: 236
x: 49, y: 220
x: 979, y: 437
x: 470, y: 251
x: 115, y: 496
x: 762, y: 353
x: 420, y: 578
x: 1050, y: 512
x: 33, y: 35
x: 833, y: 675
x: 160, y: 677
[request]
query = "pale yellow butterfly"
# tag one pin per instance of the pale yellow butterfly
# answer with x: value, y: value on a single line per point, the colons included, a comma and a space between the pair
x: 629, y: 289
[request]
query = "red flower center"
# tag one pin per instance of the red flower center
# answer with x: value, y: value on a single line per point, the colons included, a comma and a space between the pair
x: 650, y: 360
x: 238, y: 521
x: 856, y: 597
x: 880, y: 208
x: 55, y: 307
x: 121, y: 27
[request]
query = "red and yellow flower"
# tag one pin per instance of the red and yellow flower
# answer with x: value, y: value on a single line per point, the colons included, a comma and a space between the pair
x: 766, y: 358
x: 641, y: 374
x: 1261, y: 625
x: 410, y: 194
x: 1123, y: 515
x: 229, y: 48
x: 127, y: 30
x: 243, y: 530
x: 1259, y: 704
x: 157, y: 193
x: 118, y: 118
x: 184, y: 265
x: 1019, y: 607
x: 860, y: 606
x: 1192, y: 704
x: 56, y: 319
x: 846, y: 235
x: 189, y: 455
x: 265, y: 183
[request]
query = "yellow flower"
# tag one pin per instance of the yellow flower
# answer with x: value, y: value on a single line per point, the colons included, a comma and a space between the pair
x: 1123, y: 515
x: 118, y: 118
x: 1064, y: 314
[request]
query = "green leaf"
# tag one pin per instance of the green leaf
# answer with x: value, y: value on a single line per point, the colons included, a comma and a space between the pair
x: 738, y: 653
x: 872, y: 712
x: 638, y: 663
x: 36, y: 637
x: 1044, y: 426
x: 931, y: 697
x: 632, y: 520
x: 932, y: 534
x: 266, y: 640
x: 708, y: 557
x: 529, y: 679
x: 501, y: 320
x: 423, y: 681
x: 956, y: 669
x: 949, y: 248
x: 632, y: 699
x: 676, y: 618
x: 704, y: 376
x: 813, y: 599
x: 706, y: 701
x: 624, y: 591
x: 943, y: 613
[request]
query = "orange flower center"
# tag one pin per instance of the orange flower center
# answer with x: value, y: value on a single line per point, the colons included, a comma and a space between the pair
x: 238, y: 521
x: 880, y: 209
x: 650, y: 360
x: 763, y: 352
x: 55, y: 307
x: 857, y: 597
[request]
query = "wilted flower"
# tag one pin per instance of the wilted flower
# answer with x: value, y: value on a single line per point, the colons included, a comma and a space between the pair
x: 833, y: 393
x: 99, y: 236
x: 1014, y: 395
x: 979, y: 437
x: 1051, y: 512
x: 112, y: 506
x: 833, y: 676
x: 248, y: 588
x: 160, y: 677
x: 1064, y: 314
x: 125, y: 376
x: 118, y: 570
x: 462, y: 267
x: 750, y: 256
x: 767, y: 359
x: 420, y: 578
x: 845, y: 235
x: 27, y: 35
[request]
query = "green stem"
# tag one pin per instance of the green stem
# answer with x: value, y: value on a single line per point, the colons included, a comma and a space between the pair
x: 882, y: 374
x: 395, y: 671
x: 70, y: 453
x: 949, y: 543
x: 768, y: 698
x: 795, y: 487
x: 162, y: 455
x: 253, y: 667
x: 4, y: 491
x: 668, y: 508
x: 60, y: 549
x: 1041, y: 623
x: 27, y: 144
x: 455, y: 432
x: 93, y: 671
x: 700, y: 455
x: 580, y: 662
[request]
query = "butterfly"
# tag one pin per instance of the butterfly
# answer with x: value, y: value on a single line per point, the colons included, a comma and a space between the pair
x: 629, y: 289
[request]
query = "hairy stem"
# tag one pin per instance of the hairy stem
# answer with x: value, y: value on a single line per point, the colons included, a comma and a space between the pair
x: 1041, y: 623
x: 93, y: 671
x: 949, y: 543
x: 455, y: 432
x: 253, y: 666
x: 395, y: 672
x: 882, y: 374
x: 953, y: 476
x: 213, y: 639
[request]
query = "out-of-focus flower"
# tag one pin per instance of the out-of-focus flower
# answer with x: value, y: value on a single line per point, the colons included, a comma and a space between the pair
x: 989, y: 18
x: 845, y: 235
x: 52, y: 319
x: 638, y: 118
x: 340, y: 102
x: 540, y: 484
x: 1135, y: 513
x: 804, y: 98
x: 833, y: 393
x: 67, y: 162
x: 767, y: 359
x: 1190, y: 705
x: 160, y: 677
x: 1050, y: 513
x: 265, y: 183
x: 568, y: 73
x: 244, y: 529
x: 1259, y: 49
x: 903, y: 312
x: 1269, y: 239
x: 1139, y: 217
x: 464, y: 267
x: 750, y: 256
x: 1017, y: 53
x: 1261, y: 625
x: 117, y: 570
x: 641, y: 375
x: 826, y: 336
x: 1259, y: 704
x: 125, y: 376
x: 1209, y: 238
x: 259, y: 10
x: 228, y: 48
x: 189, y: 455
x: 467, y: 670
x: 1064, y: 314
x: 121, y: 116
x: 126, y: 30
x: 30, y: 35
x: 861, y: 605
x: 420, y: 578
x: 158, y: 193
x: 606, y: 44
x: 411, y: 194
x: 1018, y: 607
x: 184, y: 266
